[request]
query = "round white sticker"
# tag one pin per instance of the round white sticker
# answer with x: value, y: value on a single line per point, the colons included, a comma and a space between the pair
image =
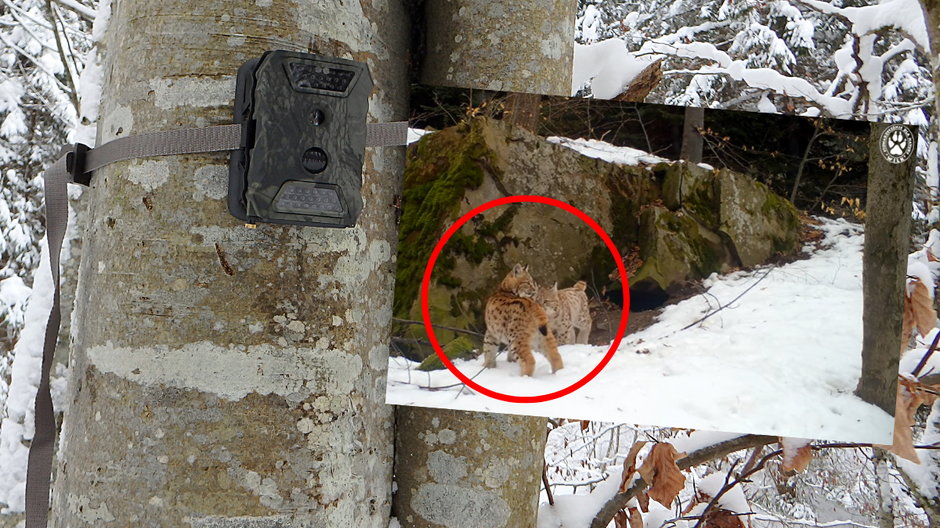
x: 897, y: 143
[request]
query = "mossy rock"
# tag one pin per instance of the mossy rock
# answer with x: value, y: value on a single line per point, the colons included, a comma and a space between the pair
x: 439, y: 170
x: 676, y: 248
x: 758, y: 222
x: 687, y: 185
x: 462, y: 347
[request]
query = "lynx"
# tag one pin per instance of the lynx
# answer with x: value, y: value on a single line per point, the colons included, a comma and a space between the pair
x: 568, y: 312
x: 514, y: 318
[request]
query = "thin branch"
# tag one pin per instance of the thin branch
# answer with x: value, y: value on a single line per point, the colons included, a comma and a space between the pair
x: 923, y: 361
x: 724, y: 489
x: 73, y: 92
x: 33, y: 60
x: 79, y: 9
x: 732, y: 301
x: 755, y: 456
x: 548, y: 487
x: 442, y: 327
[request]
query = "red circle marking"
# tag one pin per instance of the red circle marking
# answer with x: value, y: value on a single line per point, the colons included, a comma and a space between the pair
x: 426, y: 282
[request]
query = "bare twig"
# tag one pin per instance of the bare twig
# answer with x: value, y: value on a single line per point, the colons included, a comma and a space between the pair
x: 724, y: 489
x: 923, y: 361
x: 729, y: 303
x: 743, y: 477
x: 548, y: 487
x: 78, y: 8
x: 66, y: 55
x: 442, y: 327
x: 755, y: 456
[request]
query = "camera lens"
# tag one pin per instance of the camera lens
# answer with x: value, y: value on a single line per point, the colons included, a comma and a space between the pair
x: 314, y: 160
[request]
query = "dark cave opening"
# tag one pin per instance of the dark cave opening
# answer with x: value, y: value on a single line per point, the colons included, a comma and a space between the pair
x: 645, y: 295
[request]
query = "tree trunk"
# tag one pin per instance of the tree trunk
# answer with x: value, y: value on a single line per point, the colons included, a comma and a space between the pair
x: 225, y: 376
x: 523, y: 110
x: 456, y: 468
x: 507, y: 46
x: 692, y: 141
x: 883, y: 479
x: 887, y: 243
x: 474, y: 469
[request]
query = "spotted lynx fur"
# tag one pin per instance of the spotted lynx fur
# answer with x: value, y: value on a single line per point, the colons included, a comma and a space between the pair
x: 568, y: 312
x: 514, y: 318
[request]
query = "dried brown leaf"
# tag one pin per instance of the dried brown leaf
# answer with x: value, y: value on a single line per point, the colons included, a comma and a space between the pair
x: 644, y: 500
x: 629, y: 465
x: 721, y: 518
x: 925, y: 317
x: 909, y: 398
x: 662, y: 474
x: 798, y: 460
x: 621, y: 520
x: 636, y: 520
x: 907, y: 325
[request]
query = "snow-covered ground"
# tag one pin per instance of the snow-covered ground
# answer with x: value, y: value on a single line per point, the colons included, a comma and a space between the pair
x: 783, y: 359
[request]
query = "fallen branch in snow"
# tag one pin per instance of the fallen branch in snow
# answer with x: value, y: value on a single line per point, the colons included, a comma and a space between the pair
x: 695, y: 458
x: 729, y: 303
x: 453, y: 385
x: 442, y: 327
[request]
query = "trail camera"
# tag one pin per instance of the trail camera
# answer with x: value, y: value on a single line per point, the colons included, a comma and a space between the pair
x: 303, y: 122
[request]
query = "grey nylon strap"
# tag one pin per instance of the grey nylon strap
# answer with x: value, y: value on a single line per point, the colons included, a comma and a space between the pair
x: 55, y: 180
x: 387, y: 134
x: 39, y: 465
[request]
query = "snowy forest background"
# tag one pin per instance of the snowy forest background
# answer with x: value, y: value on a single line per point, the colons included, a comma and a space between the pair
x: 852, y: 59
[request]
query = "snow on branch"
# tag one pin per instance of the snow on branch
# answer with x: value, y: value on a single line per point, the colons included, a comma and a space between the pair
x: 80, y: 9
x: 760, y: 78
x: 904, y: 15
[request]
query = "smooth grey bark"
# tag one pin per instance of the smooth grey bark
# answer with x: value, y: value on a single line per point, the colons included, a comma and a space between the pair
x: 456, y: 468
x: 885, y: 506
x: 226, y: 376
x: 884, y: 268
x: 508, y: 46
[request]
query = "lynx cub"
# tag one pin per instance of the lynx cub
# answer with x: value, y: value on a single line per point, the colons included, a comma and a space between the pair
x: 514, y: 318
x: 568, y: 312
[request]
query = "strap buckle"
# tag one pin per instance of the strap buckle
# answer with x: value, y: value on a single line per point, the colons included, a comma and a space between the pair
x: 75, y: 163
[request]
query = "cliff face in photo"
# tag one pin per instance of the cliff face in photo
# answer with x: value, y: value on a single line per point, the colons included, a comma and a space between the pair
x: 688, y: 221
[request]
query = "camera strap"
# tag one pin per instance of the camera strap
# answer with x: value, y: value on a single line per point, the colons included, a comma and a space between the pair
x: 76, y: 165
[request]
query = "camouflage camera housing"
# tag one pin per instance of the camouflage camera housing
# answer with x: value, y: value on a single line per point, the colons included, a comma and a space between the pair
x: 303, y: 120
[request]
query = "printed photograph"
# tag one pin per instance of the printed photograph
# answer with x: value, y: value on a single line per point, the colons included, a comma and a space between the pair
x: 742, y: 238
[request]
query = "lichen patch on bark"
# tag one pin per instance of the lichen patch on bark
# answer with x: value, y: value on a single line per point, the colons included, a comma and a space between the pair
x: 234, y: 371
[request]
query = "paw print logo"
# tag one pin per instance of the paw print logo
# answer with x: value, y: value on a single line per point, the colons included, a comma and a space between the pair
x: 897, y: 143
